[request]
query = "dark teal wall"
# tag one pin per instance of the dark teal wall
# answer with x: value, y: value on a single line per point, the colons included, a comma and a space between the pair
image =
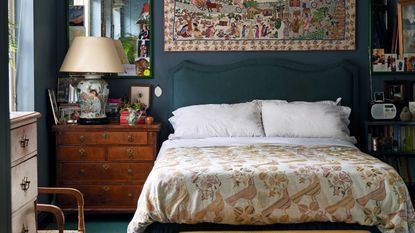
x: 45, y: 68
x: 5, y: 203
x: 164, y: 61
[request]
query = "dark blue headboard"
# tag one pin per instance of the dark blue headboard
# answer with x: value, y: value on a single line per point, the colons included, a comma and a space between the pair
x: 264, y: 79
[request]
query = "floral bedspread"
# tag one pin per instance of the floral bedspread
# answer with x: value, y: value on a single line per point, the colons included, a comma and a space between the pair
x: 268, y: 183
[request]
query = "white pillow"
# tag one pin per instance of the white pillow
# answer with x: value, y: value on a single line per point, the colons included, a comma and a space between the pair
x: 309, y: 120
x: 217, y: 120
x: 338, y: 102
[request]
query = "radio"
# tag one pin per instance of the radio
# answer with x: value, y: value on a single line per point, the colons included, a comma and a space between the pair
x: 383, y: 111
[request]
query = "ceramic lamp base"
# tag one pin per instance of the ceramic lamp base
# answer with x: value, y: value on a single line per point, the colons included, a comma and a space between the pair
x: 93, y: 96
x: 96, y: 121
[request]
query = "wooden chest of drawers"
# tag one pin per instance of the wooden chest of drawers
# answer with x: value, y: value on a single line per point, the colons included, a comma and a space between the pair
x: 107, y: 163
x: 23, y: 170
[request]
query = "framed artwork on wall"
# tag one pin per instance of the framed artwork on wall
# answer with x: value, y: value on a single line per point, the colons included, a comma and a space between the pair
x: 141, y: 93
x: 272, y: 25
x: 406, y: 26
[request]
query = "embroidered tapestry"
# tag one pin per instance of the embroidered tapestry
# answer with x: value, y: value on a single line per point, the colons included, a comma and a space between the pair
x: 259, y: 25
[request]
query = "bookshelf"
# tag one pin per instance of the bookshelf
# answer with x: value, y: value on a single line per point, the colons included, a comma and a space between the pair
x: 394, y: 143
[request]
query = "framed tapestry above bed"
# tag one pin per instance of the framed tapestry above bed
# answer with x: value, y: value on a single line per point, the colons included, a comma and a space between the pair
x: 259, y: 25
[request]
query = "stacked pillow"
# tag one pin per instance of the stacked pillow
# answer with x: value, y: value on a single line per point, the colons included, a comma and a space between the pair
x: 270, y: 118
x: 217, y: 120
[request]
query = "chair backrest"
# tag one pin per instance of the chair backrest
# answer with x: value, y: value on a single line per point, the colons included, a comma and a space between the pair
x: 72, y: 192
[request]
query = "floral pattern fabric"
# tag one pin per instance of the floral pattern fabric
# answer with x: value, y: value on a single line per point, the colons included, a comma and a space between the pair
x: 267, y: 183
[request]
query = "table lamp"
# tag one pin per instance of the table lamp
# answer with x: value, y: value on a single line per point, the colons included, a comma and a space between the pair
x: 92, y: 57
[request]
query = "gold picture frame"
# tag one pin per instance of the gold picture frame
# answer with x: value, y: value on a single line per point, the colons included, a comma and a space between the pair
x: 406, y: 28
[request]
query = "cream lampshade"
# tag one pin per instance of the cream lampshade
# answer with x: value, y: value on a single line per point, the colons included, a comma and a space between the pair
x: 92, y: 56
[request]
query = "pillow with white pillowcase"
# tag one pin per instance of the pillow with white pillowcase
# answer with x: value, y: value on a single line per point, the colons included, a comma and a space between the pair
x: 306, y: 119
x: 217, y: 120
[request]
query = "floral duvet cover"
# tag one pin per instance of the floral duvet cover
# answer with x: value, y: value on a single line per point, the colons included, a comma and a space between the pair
x: 273, y: 183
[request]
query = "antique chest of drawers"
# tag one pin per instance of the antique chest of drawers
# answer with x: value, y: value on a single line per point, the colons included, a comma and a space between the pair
x: 107, y: 163
x: 23, y: 148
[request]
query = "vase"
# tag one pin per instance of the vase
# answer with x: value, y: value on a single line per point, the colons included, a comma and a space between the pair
x: 93, y: 95
x: 132, y: 117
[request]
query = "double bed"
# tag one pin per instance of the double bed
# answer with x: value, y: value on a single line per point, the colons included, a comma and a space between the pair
x: 265, y: 181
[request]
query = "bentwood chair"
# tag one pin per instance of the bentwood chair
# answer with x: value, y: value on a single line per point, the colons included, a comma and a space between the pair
x: 58, y: 213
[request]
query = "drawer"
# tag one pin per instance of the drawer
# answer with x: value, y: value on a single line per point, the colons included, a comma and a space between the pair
x: 25, y: 219
x: 23, y: 141
x: 102, y: 138
x: 123, y: 153
x: 128, y: 138
x: 22, y: 191
x: 104, y: 195
x: 82, y: 138
x: 80, y: 153
x: 76, y: 173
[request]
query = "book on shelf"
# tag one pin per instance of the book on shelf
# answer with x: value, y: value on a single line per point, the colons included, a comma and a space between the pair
x: 391, y: 138
x: 404, y: 169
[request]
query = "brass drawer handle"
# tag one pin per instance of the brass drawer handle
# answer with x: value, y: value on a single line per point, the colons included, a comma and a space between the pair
x: 130, y: 171
x: 106, y: 188
x: 25, y: 185
x: 130, y: 195
x: 130, y: 138
x: 130, y: 153
x: 105, y: 166
x: 105, y: 136
x: 82, y: 138
x: 82, y: 153
x: 82, y: 172
x: 24, y: 142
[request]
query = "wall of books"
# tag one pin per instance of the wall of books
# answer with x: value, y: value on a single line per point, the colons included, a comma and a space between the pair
x: 394, y: 144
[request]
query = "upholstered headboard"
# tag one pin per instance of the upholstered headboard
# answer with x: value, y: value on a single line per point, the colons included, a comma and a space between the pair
x: 264, y: 79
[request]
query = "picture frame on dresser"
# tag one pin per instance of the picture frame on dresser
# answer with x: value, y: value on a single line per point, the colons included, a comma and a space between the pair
x: 53, y: 105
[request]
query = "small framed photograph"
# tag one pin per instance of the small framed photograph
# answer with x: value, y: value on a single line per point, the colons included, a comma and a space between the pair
x: 378, y: 60
x: 141, y: 93
x: 379, y: 96
x: 76, y: 15
x: 395, y: 90
x: 400, y: 65
x: 390, y: 60
x: 69, y: 114
x: 409, y: 62
x: 67, y: 89
x: 54, y: 105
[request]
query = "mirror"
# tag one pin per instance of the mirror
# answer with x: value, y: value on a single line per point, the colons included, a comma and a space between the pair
x: 393, y: 36
x: 128, y: 21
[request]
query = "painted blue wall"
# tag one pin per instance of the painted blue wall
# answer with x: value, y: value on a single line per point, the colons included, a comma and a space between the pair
x: 164, y: 61
x: 45, y: 73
